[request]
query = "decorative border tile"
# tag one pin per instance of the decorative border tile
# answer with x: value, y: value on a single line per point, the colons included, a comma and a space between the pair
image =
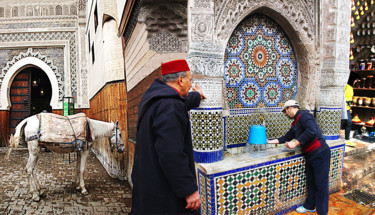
x: 329, y: 120
x: 207, y: 129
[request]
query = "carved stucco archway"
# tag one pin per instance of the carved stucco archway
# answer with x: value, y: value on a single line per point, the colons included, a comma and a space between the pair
x: 8, y: 76
x: 301, y: 43
x: 207, y: 57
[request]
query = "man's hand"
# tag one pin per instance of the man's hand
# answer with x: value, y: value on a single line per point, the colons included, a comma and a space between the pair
x: 199, y: 90
x: 292, y: 144
x: 273, y: 141
x: 193, y: 201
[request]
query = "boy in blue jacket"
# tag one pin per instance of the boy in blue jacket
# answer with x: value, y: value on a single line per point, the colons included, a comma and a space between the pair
x: 306, y: 132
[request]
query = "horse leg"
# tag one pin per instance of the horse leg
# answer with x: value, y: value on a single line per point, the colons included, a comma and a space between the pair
x: 30, y: 167
x: 84, y: 155
x: 38, y: 188
x: 78, y: 169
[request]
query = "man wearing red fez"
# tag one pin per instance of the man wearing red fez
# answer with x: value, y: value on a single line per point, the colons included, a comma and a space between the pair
x: 164, y: 178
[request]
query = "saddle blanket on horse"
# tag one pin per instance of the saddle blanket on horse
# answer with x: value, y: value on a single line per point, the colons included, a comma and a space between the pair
x: 62, y: 129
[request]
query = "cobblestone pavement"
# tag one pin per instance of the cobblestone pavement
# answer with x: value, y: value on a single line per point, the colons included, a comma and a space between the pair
x: 56, y: 176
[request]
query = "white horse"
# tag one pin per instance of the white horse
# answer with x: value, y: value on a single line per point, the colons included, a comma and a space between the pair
x: 30, y: 126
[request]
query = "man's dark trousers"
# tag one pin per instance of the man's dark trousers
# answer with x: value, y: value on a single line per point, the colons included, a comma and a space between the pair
x: 317, y: 174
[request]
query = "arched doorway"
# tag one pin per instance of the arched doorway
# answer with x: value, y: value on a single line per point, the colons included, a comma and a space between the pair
x: 30, y: 93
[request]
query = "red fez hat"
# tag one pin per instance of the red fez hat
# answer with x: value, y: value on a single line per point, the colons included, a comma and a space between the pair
x: 174, y: 67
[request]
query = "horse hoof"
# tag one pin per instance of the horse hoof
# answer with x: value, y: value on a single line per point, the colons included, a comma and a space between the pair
x: 85, y: 193
x: 36, y: 198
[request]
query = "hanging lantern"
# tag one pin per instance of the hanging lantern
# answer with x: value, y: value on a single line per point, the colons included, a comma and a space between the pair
x: 356, y: 12
x: 351, y: 57
x: 353, y: 5
x: 372, y: 1
x: 358, y: 17
x: 358, y: 3
x: 361, y: 9
x: 351, y: 37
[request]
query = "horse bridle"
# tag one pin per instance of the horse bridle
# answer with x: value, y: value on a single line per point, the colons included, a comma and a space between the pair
x: 114, y: 133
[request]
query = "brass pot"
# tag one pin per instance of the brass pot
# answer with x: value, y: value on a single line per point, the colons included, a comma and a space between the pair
x: 373, y: 102
x: 360, y: 101
x: 367, y: 101
x: 355, y: 100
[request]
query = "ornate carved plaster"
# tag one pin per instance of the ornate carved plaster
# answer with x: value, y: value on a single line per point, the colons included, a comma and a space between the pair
x: 166, y: 25
x: 335, y: 54
x: 212, y: 89
x: 229, y: 13
x: 206, y: 58
x: 30, y: 53
x: 82, y: 5
x: 202, y: 29
x: 45, y: 36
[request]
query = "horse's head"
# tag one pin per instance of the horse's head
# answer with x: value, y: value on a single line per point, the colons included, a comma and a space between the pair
x: 115, y: 140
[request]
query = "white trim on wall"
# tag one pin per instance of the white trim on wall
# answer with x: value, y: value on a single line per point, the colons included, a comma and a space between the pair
x: 15, y: 69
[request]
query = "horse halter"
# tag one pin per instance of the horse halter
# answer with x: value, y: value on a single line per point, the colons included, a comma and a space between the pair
x: 114, y: 133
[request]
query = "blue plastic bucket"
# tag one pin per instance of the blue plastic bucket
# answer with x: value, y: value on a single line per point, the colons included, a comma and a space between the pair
x: 257, y: 134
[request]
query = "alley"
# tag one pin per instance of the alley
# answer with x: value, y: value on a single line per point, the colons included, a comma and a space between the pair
x: 106, y: 195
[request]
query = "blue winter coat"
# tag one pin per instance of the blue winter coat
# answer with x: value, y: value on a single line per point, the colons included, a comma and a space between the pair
x: 163, y: 171
x: 306, y: 130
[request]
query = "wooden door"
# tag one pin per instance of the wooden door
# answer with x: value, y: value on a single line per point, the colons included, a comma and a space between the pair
x: 20, y: 99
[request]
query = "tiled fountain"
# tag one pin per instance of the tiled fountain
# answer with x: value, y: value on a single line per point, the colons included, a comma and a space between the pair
x: 260, y: 75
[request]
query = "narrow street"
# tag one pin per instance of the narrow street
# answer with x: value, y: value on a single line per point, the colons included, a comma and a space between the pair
x: 56, y: 176
x: 107, y: 195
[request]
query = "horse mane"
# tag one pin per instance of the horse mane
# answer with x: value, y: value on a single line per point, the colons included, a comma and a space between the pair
x: 100, y: 129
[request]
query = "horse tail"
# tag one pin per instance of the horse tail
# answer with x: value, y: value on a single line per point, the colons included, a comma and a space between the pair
x: 18, y: 136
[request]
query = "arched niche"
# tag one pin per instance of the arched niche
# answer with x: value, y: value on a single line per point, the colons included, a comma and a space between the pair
x: 306, y: 65
x: 20, y: 65
x: 260, y: 66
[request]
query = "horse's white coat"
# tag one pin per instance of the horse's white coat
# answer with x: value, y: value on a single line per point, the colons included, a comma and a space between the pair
x: 30, y: 126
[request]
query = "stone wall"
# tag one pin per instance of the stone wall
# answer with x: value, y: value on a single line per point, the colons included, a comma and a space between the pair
x: 107, y: 89
x: 105, y: 61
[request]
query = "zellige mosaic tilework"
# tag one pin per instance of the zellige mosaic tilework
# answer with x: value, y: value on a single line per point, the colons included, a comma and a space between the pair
x: 260, y: 65
x: 263, y: 188
x: 329, y: 120
x: 237, y: 126
x: 206, y: 126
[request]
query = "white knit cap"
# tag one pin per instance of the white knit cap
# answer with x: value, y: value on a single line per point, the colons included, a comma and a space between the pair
x: 290, y: 103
